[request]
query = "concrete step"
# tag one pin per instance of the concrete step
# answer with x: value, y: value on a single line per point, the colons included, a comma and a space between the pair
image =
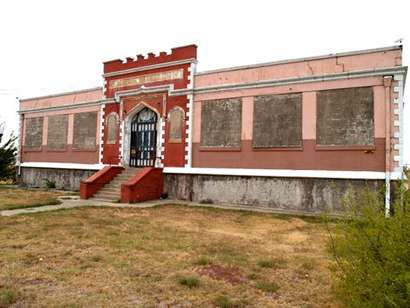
x: 107, y: 193
x: 111, y: 190
x: 107, y: 197
x: 122, y: 177
x: 118, y: 183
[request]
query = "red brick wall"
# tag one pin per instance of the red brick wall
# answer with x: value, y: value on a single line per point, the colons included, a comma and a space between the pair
x: 110, y: 152
x: 146, y: 185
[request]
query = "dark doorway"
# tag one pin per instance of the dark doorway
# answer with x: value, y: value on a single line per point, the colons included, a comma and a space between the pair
x: 143, y: 139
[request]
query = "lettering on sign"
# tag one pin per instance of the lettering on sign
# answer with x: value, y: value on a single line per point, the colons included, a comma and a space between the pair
x: 148, y: 78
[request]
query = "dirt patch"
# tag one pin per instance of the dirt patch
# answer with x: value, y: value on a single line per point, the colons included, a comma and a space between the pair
x: 231, y: 274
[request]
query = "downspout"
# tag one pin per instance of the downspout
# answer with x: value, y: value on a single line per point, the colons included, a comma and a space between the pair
x: 387, y: 90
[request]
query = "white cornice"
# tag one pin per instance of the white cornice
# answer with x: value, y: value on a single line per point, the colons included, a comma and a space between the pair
x: 226, y: 87
x: 64, y: 107
x: 149, y: 67
x: 60, y: 94
x: 298, y: 80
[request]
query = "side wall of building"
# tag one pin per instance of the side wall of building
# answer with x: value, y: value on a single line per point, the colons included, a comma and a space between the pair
x: 66, y: 179
x: 288, y: 195
x: 316, y: 114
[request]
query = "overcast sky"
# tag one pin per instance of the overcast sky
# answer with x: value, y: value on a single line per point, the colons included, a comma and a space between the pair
x: 53, y: 46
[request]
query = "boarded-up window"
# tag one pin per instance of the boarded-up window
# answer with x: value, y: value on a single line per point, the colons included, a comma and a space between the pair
x: 85, y: 129
x: 33, y: 133
x: 176, y: 124
x: 112, y: 128
x: 277, y: 121
x: 57, y: 132
x: 221, y: 123
x: 345, y: 117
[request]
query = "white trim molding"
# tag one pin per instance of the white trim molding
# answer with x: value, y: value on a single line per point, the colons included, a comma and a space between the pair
x: 148, y: 67
x: 61, y: 94
x: 299, y: 80
x: 143, y: 89
x: 64, y: 107
x: 285, y: 173
x: 101, y: 128
x: 50, y: 165
x: 398, y: 105
x: 189, y: 119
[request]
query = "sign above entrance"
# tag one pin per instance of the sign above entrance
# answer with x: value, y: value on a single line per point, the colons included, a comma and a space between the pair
x: 148, y: 78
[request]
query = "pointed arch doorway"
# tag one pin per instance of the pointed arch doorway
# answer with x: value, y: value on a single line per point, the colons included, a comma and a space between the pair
x: 143, y: 139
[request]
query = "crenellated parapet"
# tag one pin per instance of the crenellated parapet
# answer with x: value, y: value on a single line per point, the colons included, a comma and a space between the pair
x: 177, y: 54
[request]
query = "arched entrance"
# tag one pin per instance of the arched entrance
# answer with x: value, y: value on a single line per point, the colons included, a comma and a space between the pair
x: 143, y: 139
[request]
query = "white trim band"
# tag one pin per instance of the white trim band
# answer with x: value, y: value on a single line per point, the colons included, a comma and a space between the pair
x: 327, y: 174
x: 299, y: 80
x: 64, y: 107
x: 62, y: 165
x: 147, y: 67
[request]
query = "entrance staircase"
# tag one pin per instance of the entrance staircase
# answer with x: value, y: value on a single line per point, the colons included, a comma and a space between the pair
x: 111, y: 192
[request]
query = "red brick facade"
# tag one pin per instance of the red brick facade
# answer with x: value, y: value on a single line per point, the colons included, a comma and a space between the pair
x: 125, y: 85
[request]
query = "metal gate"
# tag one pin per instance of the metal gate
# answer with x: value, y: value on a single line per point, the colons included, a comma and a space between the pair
x: 143, y: 139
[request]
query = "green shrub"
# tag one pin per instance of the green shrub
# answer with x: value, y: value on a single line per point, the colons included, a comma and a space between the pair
x: 203, y: 260
x: 8, y: 154
x: 267, y: 286
x: 372, y: 253
x: 189, y: 281
x: 8, y: 296
x: 272, y: 263
x: 224, y: 301
x: 50, y: 184
x: 206, y: 201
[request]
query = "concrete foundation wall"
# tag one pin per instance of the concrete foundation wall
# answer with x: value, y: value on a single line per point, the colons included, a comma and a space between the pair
x: 286, y: 194
x: 67, y: 179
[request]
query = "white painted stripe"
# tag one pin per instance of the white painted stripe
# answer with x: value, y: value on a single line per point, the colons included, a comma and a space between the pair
x: 366, y: 175
x: 329, y: 174
x: 62, y: 165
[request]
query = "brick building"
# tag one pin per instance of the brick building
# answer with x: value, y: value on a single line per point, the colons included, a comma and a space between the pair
x: 291, y: 135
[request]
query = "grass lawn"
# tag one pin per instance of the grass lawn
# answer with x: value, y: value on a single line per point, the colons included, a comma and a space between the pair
x: 16, y: 198
x: 167, y: 256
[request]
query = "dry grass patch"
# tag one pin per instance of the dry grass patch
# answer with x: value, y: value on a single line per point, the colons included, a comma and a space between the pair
x: 169, y: 255
x: 15, y: 198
